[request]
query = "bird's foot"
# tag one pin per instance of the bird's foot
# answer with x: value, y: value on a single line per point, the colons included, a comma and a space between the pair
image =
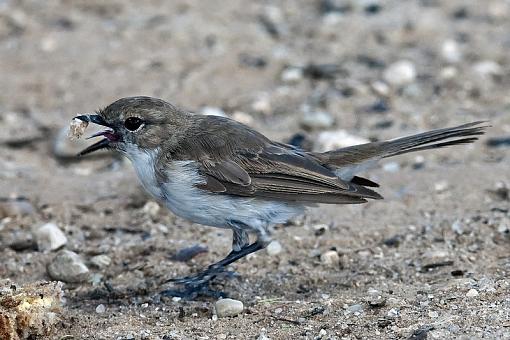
x: 199, y: 284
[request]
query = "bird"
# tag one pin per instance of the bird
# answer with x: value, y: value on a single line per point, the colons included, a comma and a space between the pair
x: 218, y: 172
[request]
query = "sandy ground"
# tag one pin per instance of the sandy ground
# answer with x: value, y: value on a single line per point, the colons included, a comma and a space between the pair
x: 442, y: 231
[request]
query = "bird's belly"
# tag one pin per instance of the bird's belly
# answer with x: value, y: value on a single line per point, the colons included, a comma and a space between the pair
x: 184, y: 199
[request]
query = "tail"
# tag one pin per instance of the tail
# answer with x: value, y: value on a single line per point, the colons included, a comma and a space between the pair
x: 350, y: 160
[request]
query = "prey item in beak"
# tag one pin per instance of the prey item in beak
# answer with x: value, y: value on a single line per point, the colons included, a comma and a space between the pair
x: 109, y: 133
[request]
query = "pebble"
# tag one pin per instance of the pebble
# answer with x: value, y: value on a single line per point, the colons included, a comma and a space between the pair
x: 441, y: 186
x: 393, y: 313
x: 448, y: 73
x: 488, y: 68
x: 472, y: 293
x: 17, y: 129
x: 67, y: 266
x: 18, y: 207
x: 357, y: 308
x: 316, y: 119
x: 100, y: 309
x: 330, y: 140
x: 433, y: 314
x: 274, y: 248
x: 400, y: 73
x: 380, y: 88
x: 458, y: 227
x: 101, y: 261
x: 151, y: 208
x: 330, y: 258
x: 262, y: 104
x: 213, y: 111
x: 292, y: 75
x: 503, y: 227
x: 243, y: 117
x: 392, y: 167
x: 450, y: 51
x: 49, y: 237
x: 228, y: 307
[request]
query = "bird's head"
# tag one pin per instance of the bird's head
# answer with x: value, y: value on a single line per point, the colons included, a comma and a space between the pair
x: 134, y: 124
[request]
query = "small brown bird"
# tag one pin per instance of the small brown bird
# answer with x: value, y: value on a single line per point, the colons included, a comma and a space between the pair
x: 218, y: 172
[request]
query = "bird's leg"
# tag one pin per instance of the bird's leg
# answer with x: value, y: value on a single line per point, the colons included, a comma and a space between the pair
x: 199, y: 283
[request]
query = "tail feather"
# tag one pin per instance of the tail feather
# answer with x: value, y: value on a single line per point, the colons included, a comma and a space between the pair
x: 427, y: 140
x: 348, y: 161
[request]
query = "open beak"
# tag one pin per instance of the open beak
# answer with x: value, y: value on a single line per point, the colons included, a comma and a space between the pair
x: 109, y: 134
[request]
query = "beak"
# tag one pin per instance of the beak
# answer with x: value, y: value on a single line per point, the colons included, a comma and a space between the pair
x: 104, y: 143
x: 96, y: 119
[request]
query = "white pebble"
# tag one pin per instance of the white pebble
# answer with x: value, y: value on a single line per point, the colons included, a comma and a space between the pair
x: 457, y: 227
x: 292, y: 75
x: 392, y: 167
x: 433, y: 314
x: 49, y: 237
x: 331, y: 140
x: 316, y: 119
x: 330, y: 258
x: 101, y: 261
x: 274, y: 248
x: 450, y: 51
x: 393, y: 313
x: 151, y: 208
x: 228, y: 307
x: 100, y: 309
x: 488, y: 68
x: 472, y: 293
x: 400, y: 73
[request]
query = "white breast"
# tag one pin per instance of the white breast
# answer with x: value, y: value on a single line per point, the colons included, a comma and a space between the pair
x: 143, y: 162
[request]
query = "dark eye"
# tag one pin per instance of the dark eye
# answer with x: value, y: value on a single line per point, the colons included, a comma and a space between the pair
x: 133, y: 123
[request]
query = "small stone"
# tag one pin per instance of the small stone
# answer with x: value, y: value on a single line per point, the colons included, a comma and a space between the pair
x: 448, y: 73
x: 358, y: 308
x: 330, y: 258
x: 450, y: 51
x: 242, y: 117
x: 19, y: 129
x: 458, y: 227
x: 228, y: 307
x: 331, y: 140
x: 262, y: 104
x: 67, y: 266
x: 441, y: 186
x: 49, y: 237
x: 503, y: 227
x: 17, y: 207
x: 213, y: 111
x: 100, y: 309
x: 400, y: 73
x: 488, y: 69
x: 380, y: 88
x: 151, y: 208
x: 263, y: 335
x: 433, y: 314
x: 316, y: 119
x: 392, y: 167
x: 393, y: 313
x: 274, y: 248
x: 322, y: 332
x: 101, y: 261
x: 292, y: 75
x: 472, y: 293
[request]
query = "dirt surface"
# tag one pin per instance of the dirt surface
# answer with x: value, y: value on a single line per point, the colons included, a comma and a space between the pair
x: 436, y: 250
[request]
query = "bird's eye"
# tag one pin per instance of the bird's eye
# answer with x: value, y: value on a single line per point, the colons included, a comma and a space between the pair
x: 133, y: 123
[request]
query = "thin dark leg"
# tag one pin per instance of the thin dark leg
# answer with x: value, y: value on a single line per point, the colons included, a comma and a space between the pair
x: 199, y: 283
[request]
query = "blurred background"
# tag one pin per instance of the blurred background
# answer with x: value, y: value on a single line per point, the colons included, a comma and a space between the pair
x: 320, y: 74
